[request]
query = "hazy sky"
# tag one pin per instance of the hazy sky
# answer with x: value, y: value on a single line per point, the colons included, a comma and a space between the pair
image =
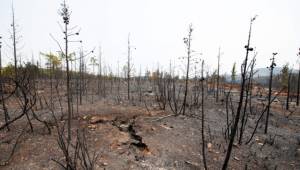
x: 157, y: 29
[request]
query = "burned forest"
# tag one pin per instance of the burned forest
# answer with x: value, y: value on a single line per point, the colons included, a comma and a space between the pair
x: 157, y: 89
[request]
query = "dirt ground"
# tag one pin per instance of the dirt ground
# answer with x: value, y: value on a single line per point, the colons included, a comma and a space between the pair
x: 131, y: 137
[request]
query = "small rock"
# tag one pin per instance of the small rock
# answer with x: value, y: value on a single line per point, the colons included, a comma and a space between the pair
x: 192, y: 163
x: 236, y: 158
x: 166, y: 127
x: 92, y: 127
x: 209, y: 145
x: 123, y: 127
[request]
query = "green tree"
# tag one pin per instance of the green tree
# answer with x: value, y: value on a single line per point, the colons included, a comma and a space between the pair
x: 8, y: 70
x: 284, y: 76
x: 233, y: 73
x: 53, y: 60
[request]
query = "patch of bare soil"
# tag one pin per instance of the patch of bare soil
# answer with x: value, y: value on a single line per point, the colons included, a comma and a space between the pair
x: 127, y: 137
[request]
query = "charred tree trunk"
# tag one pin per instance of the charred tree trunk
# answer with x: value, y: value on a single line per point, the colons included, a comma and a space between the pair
x: 288, y: 91
x: 298, y: 88
x: 14, y: 44
x: 128, y: 71
x: 100, y: 73
x: 65, y: 13
x: 6, y: 116
x: 218, y: 76
x: 202, y: 117
x: 270, y: 92
x: 247, y: 100
x: 187, y: 41
x: 238, y: 112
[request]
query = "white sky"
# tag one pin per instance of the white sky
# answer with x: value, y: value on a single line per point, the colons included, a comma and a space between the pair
x: 157, y: 28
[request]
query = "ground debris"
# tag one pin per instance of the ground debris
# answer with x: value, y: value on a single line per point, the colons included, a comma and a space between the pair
x: 192, y: 163
x: 209, y: 145
x: 99, y: 119
x: 236, y: 158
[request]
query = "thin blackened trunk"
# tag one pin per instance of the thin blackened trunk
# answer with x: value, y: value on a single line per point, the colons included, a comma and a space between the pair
x: 244, y: 115
x: 66, y: 19
x: 202, y: 117
x: 237, y: 117
x: 104, y: 82
x: 248, y: 98
x: 68, y: 84
x: 227, y: 115
x: 288, y: 92
x: 140, y: 85
x: 261, y: 115
x: 298, y: 88
x: 14, y: 43
x: 119, y: 82
x: 128, y: 71
x: 77, y: 86
x: 51, y: 82
x: 6, y: 116
x: 81, y: 76
x: 270, y: 93
x: 100, y: 73
x: 188, y: 42
x: 218, y: 76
